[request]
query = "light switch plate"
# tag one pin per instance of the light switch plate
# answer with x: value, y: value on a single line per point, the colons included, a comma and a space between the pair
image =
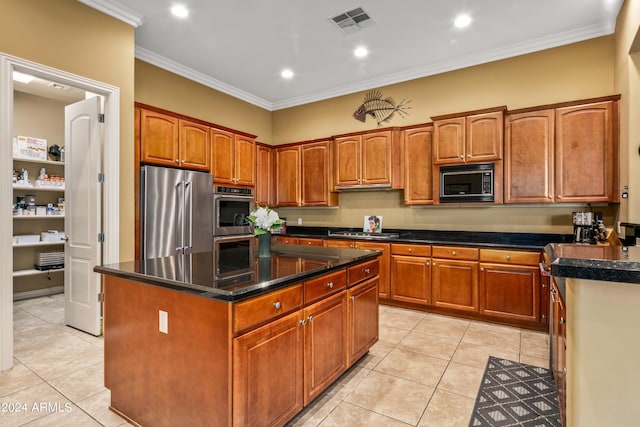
x: 164, y: 322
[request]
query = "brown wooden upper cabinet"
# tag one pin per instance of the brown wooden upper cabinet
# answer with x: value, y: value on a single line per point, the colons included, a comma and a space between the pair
x: 234, y: 158
x: 264, y: 175
x: 365, y: 160
x: 302, y: 175
x: 418, y: 185
x: 473, y: 137
x: 587, y: 153
x: 529, y: 157
x: 168, y: 141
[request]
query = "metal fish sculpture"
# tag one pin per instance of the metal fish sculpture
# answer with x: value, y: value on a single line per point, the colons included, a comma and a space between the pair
x: 380, y: 109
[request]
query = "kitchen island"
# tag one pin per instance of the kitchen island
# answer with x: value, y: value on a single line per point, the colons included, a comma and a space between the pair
x: 598, y: 319
x: 183, y: 347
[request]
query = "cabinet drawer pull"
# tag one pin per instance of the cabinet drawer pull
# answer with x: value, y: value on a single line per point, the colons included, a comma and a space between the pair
x: 277, y: 305
x: 367, y: 270
x: 453, y: 253
x: 410, y: 249
x: 330, y: 285
x: 508, y: 257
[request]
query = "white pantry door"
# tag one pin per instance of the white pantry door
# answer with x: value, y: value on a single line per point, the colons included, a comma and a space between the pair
x: 83, y: 210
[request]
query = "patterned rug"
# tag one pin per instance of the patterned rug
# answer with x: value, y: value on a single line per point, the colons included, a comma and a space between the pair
x: 515, y: 394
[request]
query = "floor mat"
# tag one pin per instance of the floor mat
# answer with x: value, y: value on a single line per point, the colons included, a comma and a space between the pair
x: 515, y: 394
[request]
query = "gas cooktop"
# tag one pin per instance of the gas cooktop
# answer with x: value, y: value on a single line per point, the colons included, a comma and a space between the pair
x: 364, y: 235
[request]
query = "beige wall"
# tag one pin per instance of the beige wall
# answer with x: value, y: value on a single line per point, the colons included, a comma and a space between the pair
x: 627, y: 83
x: 577, y: 71
x: 66, y: 35
x: 163, y: 89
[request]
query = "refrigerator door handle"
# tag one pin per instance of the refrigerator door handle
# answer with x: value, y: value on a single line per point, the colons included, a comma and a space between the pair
x: 179, y: 238
x: 188, y: 203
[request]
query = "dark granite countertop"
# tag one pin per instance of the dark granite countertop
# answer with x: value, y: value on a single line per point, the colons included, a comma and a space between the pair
x: 592, y: 262
x: 530, y: 241
x: 195, y: 273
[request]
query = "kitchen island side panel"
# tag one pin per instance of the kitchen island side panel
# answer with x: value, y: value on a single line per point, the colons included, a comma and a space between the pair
x: 177, y: 378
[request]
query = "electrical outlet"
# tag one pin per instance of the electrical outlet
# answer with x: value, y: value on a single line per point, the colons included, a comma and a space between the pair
x: 164, y: 321
x: 299, y: 221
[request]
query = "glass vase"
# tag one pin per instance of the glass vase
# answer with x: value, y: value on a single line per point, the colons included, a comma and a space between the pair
x: 264, y: 245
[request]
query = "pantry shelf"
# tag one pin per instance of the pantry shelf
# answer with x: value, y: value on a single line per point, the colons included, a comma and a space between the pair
x: 28, y: 245
x: 33, y: 272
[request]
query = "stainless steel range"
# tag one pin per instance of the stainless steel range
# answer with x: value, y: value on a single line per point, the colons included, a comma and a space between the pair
x: 364, y: 235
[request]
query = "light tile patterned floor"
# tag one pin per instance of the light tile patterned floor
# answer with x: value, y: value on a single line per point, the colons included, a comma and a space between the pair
x: 424, y: 371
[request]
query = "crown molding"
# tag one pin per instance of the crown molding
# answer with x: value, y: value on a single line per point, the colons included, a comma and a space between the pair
x: 116, y: 10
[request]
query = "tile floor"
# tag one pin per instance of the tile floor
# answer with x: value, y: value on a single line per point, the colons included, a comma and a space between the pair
x: 424, y: 371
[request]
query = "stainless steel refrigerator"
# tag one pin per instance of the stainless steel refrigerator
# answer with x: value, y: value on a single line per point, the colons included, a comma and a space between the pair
x: 176, y: 212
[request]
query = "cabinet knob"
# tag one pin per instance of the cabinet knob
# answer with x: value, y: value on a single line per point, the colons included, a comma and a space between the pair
x: 410, y: 249
x: 434, y: 264
x: 508, y: 257
x: 367, y: 270
x: 352, y: 298
x: 277, y: 305
x: 481, y: 268
x: 178, y: 161
x: 310, y: 318
x: 330, y: 285
x: 544, y: 286
x: 309, y: 243
x: 462, y: 156
x: 303, y: 322
x: 182, y: 161
x: 562, y: 320
x: 427, y: 263
x: 468, y: 155
x: 453, y: 253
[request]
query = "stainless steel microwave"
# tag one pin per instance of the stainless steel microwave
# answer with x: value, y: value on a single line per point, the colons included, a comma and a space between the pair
x: 467, y: 183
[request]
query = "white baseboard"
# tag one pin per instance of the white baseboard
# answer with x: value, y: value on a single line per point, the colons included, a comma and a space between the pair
x: 18, y: 296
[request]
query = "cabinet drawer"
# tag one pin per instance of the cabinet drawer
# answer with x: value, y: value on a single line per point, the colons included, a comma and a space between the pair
x: 309, y: 242
x: 503, y: 256
x: 316, y: 288
x: 284, y: 240
x: 454, y: 252
x: 263, y: 308
x: 358, y: 273
x: 411, y: 250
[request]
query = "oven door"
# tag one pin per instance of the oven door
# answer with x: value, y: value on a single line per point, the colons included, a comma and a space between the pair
x: 233, y: 255
x: 230, y: 215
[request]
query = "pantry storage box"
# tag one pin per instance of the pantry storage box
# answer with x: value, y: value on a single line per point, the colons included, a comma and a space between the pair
x: 28, y: 147
x: 27, y: 238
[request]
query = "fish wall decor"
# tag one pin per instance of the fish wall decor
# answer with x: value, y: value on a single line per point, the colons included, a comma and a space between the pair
x: 380, y: 109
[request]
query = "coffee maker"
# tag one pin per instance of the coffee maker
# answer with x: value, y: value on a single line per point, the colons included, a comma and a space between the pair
x: 585, y: 226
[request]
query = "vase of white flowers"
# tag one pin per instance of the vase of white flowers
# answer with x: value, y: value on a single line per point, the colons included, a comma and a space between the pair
x: 264, y: 220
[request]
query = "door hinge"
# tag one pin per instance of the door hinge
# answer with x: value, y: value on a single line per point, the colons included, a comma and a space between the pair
x: 101, y: 178
x: 101, y: 118
x: 101, y: 237
x: 100, y: 297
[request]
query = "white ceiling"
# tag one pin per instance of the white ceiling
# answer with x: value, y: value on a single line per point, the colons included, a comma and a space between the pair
x: 240, y: 47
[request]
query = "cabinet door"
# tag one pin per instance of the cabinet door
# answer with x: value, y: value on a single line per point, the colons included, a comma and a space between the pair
x: 384, y: 261
x: 245, y: 161
x: 267, y: 373
x: 449, y: 141
x: 484, y: 136
x: 376, y: 158
x: 195, y: 148
x: 223, y: 161
x: 411, y: 279
x: 347, y: 162
x: 455, y: 284
x: 529, y: 157
x: 586, y: 153
x: 418, y: 187
x: 510, y: 292
x: 264, y: 173
x: 325, y: 344
x: 362, y: 323
x: 315, y: 174
x: 288, y: 176
x: 159, y: 139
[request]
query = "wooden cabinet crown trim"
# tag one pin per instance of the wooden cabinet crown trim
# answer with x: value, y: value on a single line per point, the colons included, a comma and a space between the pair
x: 192, y: 119
x: 564, y: 104
x: 502, y: 108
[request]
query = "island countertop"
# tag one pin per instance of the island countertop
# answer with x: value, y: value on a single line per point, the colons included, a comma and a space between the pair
x: 196, y: 273
x: 592, y: 262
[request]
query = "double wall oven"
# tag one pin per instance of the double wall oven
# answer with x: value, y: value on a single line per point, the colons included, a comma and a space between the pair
x: 233, y: 238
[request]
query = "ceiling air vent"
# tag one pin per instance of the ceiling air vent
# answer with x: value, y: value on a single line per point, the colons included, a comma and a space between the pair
x: 353, y: 20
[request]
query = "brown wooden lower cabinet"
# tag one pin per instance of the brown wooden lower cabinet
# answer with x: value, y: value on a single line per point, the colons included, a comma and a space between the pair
x: 267, y: 373
x: 411, y: 273
x: 362, y: 312
x: 510, y: 292
x: 455, y: 284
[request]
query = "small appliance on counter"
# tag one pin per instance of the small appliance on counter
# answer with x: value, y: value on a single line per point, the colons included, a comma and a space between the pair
x: 586, y: 225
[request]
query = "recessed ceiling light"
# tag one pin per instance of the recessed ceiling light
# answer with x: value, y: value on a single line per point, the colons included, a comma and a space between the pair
x: 462, y: 21
x: 361, y: 52
x: 180, y: 11
x: 22, y: 77
x: 286, y: 73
